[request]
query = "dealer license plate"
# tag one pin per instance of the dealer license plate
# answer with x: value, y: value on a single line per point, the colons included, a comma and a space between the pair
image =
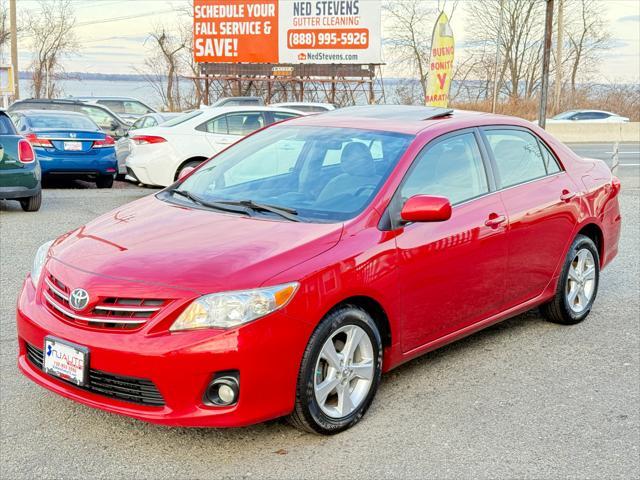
x: 75, y: 146
x: 66, y: 360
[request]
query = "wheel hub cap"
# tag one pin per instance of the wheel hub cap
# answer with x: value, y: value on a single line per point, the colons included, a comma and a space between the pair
x: 581, y: 281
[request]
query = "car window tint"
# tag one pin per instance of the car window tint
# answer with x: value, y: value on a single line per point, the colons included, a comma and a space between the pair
x: 550, y: 161
x: 215, y: 125
x: 102, y: 118
x: 61, y: 121
x: 285, y: 153
x: 279, y: 116
x: 517, y: 155
x: 243, y: 123
x: 113, y: 105
x: 135, y: 108
x: 451, y: 168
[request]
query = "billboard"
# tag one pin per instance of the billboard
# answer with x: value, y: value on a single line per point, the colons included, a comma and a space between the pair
x: 441, y: 63
x: 287, y: 31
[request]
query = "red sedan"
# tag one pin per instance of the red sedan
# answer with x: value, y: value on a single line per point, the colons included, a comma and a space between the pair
x: 286, y: 274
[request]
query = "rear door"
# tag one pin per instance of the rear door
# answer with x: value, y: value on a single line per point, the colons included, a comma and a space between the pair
x: 542, y: 204
x: 226, y: 129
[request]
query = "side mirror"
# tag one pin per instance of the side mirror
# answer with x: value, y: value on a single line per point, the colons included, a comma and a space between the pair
x: 185, y: 171
x: 426, y: 208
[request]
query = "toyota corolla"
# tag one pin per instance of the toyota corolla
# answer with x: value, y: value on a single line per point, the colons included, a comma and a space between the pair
x: 286, y: 274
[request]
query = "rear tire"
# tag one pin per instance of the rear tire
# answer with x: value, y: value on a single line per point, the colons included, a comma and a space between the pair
x: 31, y: 204
x: 577, y: 286
x: 104, y: 181
x: 349, y: 380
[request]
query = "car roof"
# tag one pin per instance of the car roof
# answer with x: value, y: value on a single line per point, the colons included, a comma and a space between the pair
x: 65, y: 113
x: 407, y: 119
x: 103, y: 97
x: 244, y: 108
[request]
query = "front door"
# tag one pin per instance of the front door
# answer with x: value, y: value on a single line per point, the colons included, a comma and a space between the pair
x: 452, y: 272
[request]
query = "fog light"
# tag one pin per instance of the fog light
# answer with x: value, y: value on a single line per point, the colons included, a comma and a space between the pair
x: 222, y: 391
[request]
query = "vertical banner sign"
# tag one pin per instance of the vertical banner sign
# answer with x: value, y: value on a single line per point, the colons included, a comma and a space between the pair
x: 287, y: 31
x: 441, y: 63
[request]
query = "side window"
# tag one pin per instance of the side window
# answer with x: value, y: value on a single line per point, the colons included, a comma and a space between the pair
x: 99, y: 116
x: 518, y: 156
x: 279, y: 116
x: 138, y: 124
x: 116, y: 106
x: 450, y: 168
x: 215, y: 125
x: 550, y: 162
x: 135, y: 108
x: 254, y: 167
x: 243, y: 123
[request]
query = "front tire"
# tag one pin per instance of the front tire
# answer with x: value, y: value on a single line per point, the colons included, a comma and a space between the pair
x: 577, y: 286
x: 340, y: 372
x: 31, y: 204
x: 104, y: 181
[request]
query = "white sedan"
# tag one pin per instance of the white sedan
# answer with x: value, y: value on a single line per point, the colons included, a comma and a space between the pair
x: 588, y: 116
x: 159, y: 154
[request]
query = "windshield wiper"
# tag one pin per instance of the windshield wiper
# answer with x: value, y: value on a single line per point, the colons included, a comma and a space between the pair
x: 284, y: 212
x: 223, y: 206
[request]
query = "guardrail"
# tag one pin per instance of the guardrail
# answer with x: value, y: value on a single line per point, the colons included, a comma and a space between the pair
x: 578, y: 132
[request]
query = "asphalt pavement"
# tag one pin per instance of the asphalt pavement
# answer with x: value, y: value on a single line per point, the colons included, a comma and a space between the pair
x: 522, y: 399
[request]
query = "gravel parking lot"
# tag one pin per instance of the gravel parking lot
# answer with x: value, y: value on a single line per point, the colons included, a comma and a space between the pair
x: 524, y: 398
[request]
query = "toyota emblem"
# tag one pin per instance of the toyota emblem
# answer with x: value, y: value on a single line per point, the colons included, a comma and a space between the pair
x: 79, y: 299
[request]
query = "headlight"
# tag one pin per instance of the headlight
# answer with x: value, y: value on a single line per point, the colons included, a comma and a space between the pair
x: 230, y: 309
x: 38, y: 262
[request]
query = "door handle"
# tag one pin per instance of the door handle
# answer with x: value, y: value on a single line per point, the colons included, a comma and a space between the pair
x: 567, y: 195
x: 495, y: 220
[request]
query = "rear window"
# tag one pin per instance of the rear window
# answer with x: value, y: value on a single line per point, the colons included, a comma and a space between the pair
x: 182, y: 118
x: 6, y: 127
x: 70, y: 122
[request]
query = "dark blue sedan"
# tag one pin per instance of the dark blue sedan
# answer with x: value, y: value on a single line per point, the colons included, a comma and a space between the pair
x: 69, y: 143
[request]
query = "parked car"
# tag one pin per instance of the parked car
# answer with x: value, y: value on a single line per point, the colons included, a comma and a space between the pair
x: 283, y: 276
x: 19, y: 168
x: 108, y: 121
x: 158, y: 154
x: 236, y: 102
x: 307, y: 107
x: 69, y: 143
x: 123, y: 145
x: 127, y: 108
x: 591, y: 116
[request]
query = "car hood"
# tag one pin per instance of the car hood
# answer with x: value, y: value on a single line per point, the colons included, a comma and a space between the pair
x: 159, y: 243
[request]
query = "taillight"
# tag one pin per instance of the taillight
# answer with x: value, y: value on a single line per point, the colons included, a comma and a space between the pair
x: 25, y: 152
x: 144, y: 139
x: 107, y: 142
x: 38, y: 142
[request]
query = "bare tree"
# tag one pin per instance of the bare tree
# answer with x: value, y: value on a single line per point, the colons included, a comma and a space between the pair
x: 520, y: 38
x: 587, y: 35
x: 5, y: 33
x: 51, y: 35
x: 409, y: 39
x: 163, y: 66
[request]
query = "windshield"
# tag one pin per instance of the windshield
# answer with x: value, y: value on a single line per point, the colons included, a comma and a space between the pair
x: 66, y: 122
x: 182, y: 118
x: 319, y: 174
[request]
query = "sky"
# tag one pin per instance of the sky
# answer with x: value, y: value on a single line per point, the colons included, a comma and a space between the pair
x: 112, y: 35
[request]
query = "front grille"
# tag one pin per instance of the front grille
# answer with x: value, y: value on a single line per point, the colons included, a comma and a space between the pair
x: 109, y: 313
x: 128, y: 389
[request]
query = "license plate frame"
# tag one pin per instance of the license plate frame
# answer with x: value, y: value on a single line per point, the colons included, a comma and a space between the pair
x: 67, y: 361
x: 73, y: 146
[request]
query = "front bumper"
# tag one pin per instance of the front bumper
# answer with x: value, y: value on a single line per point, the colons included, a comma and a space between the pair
x: 267, y: 354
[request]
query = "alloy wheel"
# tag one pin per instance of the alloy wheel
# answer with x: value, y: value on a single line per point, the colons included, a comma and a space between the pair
x: 581, y: 281
x: 344, y: 371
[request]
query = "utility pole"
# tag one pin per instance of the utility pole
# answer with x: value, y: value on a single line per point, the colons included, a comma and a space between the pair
x: 495, y: 74
x: 560, y: 40
x: 14, y: 46
x: 544, y: 87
